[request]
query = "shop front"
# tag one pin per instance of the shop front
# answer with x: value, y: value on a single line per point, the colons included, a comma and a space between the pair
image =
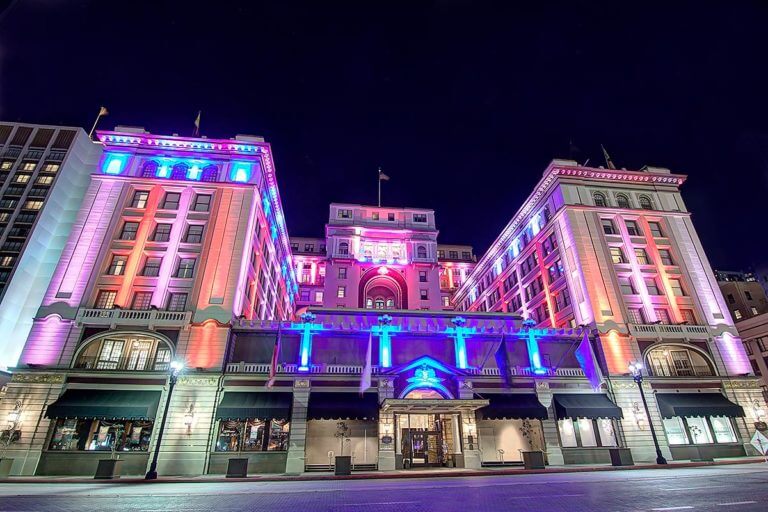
x: 587, y: 427
x: 509, y: 426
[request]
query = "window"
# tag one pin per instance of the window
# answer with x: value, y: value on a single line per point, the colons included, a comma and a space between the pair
x: 424, y: 294
x: 632, y: 228
x: 319, y: 297
x: 675, y: 430
x: 700, y: 433
x: 642, y: 256
x: 737, y: 315
x: 186, y: 268
x: 344, y: 248
x: 342, y: 272
x: 7, y: 261
x: 152, y: 266
x: 666, y: 257
x: 748, y: 295
x: 194, y: 234
x: 754, y: 310
x: 341, y: 292
x: 731, y: 298
x: 375, y: 216
x: 466, y: 255
x: 202, y: 203
x: 149, y: 169
x: 391, y: 217
x: 441, y: 253
x: 422, y: 276
x: 177, y: 302
x: 52, y: 168
x: 453, y: 255
x: 761, y: 344
x: 586, y: 432
x: 676, y: 287
x: 344, y: 214
x: 74, y: 434
x: 650, y: 284
x: 304, y: 295
x: 210, y: 173
x: 419, y: 217
x: 141, y: 300
x: 446, y: 301
x: 723, y: 429
x: 171, y: 201
x: 28, y: 166
x: 6, y: 164
x: 421, y: 252
x: 140, y: 199
x: 617, y: 256
x: 562, y: 300
x: 688, y: 316
x: 622, y: 201
x: 655, y: 228
x: 309, y: 247
x: 608, y: 227
x: 129, y: 231
x: 32, y: 205
x: 253, y: 435
x: 179, y: 171
x: 162, y: 233
x: 635, y: 316
x: 44, y: 180
x: 105, y: 299
x: 627, y: 288
x: 117, y: 265
x: 22, y: 178
x: 663, y: 316
x: 645, y: 202
x: 599, y: 199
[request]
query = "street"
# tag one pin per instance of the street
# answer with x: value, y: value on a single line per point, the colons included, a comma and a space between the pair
x: 726, y: 488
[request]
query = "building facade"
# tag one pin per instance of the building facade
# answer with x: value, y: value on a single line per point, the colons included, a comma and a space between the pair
x: 744, y: 294
x: 175, y: 238
x: 44, y: 173
x: 754, y: 334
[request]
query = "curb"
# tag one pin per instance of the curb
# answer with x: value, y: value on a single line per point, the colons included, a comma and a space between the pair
x: 380, y: 476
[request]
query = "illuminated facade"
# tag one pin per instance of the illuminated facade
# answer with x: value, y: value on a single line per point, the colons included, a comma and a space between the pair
x: 44, y: 173
x: 175, y: 238
x: 616, y: 251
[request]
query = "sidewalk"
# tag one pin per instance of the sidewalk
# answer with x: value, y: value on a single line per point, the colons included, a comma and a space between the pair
x: 381, y: 475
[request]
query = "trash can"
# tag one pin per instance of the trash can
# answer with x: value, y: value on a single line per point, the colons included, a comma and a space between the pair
x: 237, y: 468
x: 108, y: 469
x: 343, y: 465
x: 533, y: 460
x: 621, y: 457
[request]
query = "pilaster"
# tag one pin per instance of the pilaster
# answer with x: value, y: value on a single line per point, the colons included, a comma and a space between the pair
x: 296, y: 448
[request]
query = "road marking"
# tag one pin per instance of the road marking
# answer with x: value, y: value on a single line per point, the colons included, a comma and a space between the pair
x: 735, y: 503
x: 671, y: 508
x: 378, y: 503
x: 692, y: 488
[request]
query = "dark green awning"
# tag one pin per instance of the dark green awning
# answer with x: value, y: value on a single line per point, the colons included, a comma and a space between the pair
x: 697, y: 404
x: 105, y: 404
x: 325, y: 405
x: 241, y: 405
x: 585, y: 405
x: 512, y: 406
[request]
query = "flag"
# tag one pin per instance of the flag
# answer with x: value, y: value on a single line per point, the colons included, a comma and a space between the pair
x: 275, y: 357
x: 502, y: 362
x: 586, y: 357
x: 608, y: 161
x: 103, y: 111
x: 197, y: 122
x: 382, y: 176
x: 365, y: 377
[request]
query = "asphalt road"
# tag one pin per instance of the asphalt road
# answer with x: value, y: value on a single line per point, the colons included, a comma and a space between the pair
x: 723, y: 489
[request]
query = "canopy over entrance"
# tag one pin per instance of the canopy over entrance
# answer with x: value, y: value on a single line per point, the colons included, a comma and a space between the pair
x: 697, y: 404
x: 432, y: 406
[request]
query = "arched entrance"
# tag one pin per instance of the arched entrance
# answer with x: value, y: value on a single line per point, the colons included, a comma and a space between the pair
x: 383, y: 288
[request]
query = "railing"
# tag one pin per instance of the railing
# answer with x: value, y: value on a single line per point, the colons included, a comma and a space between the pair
x: 526, y: 372
x: 148, y: 317
x: 332, y: 369
x: 668, y: 330
x: 693, y: 371
x: 126, y: 363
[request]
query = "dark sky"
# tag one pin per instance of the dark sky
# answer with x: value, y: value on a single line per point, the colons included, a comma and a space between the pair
x: 462, y: 103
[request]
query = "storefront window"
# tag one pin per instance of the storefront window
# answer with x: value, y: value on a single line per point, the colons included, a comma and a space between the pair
x: 699, y: 430
x: 723, y: 429
x: 607, y: 432
x: 253, y: 435
x: 567, y: 433
x: 101, y: 435
x: 586, y: 432
x: 675, y: 431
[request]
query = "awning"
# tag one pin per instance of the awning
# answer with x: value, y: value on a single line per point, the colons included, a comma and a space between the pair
x: 105, y: 404
x: 241, y: 405
x: 585, y: 405
x: 697, y: 404
x: 432, y: 406
x: 325, y: 405
x: 512, y: 406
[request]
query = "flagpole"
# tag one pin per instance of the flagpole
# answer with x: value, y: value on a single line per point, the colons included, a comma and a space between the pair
x: 102, y: 111
x: 379, y: 180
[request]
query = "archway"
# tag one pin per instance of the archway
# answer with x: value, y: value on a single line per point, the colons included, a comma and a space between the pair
x: 382, y: 288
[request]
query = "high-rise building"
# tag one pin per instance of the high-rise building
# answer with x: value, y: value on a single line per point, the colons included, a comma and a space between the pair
x: 44, y: 172
x: 616, y: 251
x: 743, y: 293
x: 175, y: 238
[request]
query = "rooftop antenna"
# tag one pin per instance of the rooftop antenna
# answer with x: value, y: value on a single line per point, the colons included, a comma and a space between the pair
x: 608, y: 162
x: 382, y: 177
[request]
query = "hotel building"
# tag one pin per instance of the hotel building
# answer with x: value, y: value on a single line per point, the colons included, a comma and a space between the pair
x: 44, y: 173
x: 616, y: 251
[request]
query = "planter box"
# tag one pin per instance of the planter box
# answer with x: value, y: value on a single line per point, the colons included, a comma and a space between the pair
x: 343, y: 465
x: 5, y: 467
x: 621, y: 457
x: 533, y: 460
x: 108, y: 469
x: 237, y: 468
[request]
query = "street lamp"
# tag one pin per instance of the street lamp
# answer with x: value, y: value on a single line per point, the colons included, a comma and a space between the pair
x: 636, y: 369
x: 176, y: 368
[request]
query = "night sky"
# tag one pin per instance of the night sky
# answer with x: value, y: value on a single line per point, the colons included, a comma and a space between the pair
x: 462, y: 104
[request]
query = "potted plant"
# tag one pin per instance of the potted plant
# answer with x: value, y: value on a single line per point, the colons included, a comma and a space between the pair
x: 109, y: 469
x: 343, y: 463
x: 9, y: 436
x: 533, y: 458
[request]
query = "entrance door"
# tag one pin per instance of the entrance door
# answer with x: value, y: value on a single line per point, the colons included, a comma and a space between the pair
x: 422, y: 447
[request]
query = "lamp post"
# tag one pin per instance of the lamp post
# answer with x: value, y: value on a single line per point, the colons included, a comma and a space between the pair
x: 176, y: 368
x: 636, y: 369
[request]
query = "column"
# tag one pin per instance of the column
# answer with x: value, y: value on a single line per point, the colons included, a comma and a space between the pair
x: 296, y: 448
x: 387, y: 427
x: 637, y: 433
x: 554, y: 452
x: 470, y: 441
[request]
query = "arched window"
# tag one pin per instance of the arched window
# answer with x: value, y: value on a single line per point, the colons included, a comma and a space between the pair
x: 379, y: 303
x: 125, y: 351
x: 390, y: 304
x: 210, y: 173
x: 149, y: 169
x: 179, y: 172
x: 645, y: 202
x: 622, y: 201
x: 421, y: 252
x: 599, y: 199
x: 344, y: 248
x: 369, y: 303
x: 671, y: 360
